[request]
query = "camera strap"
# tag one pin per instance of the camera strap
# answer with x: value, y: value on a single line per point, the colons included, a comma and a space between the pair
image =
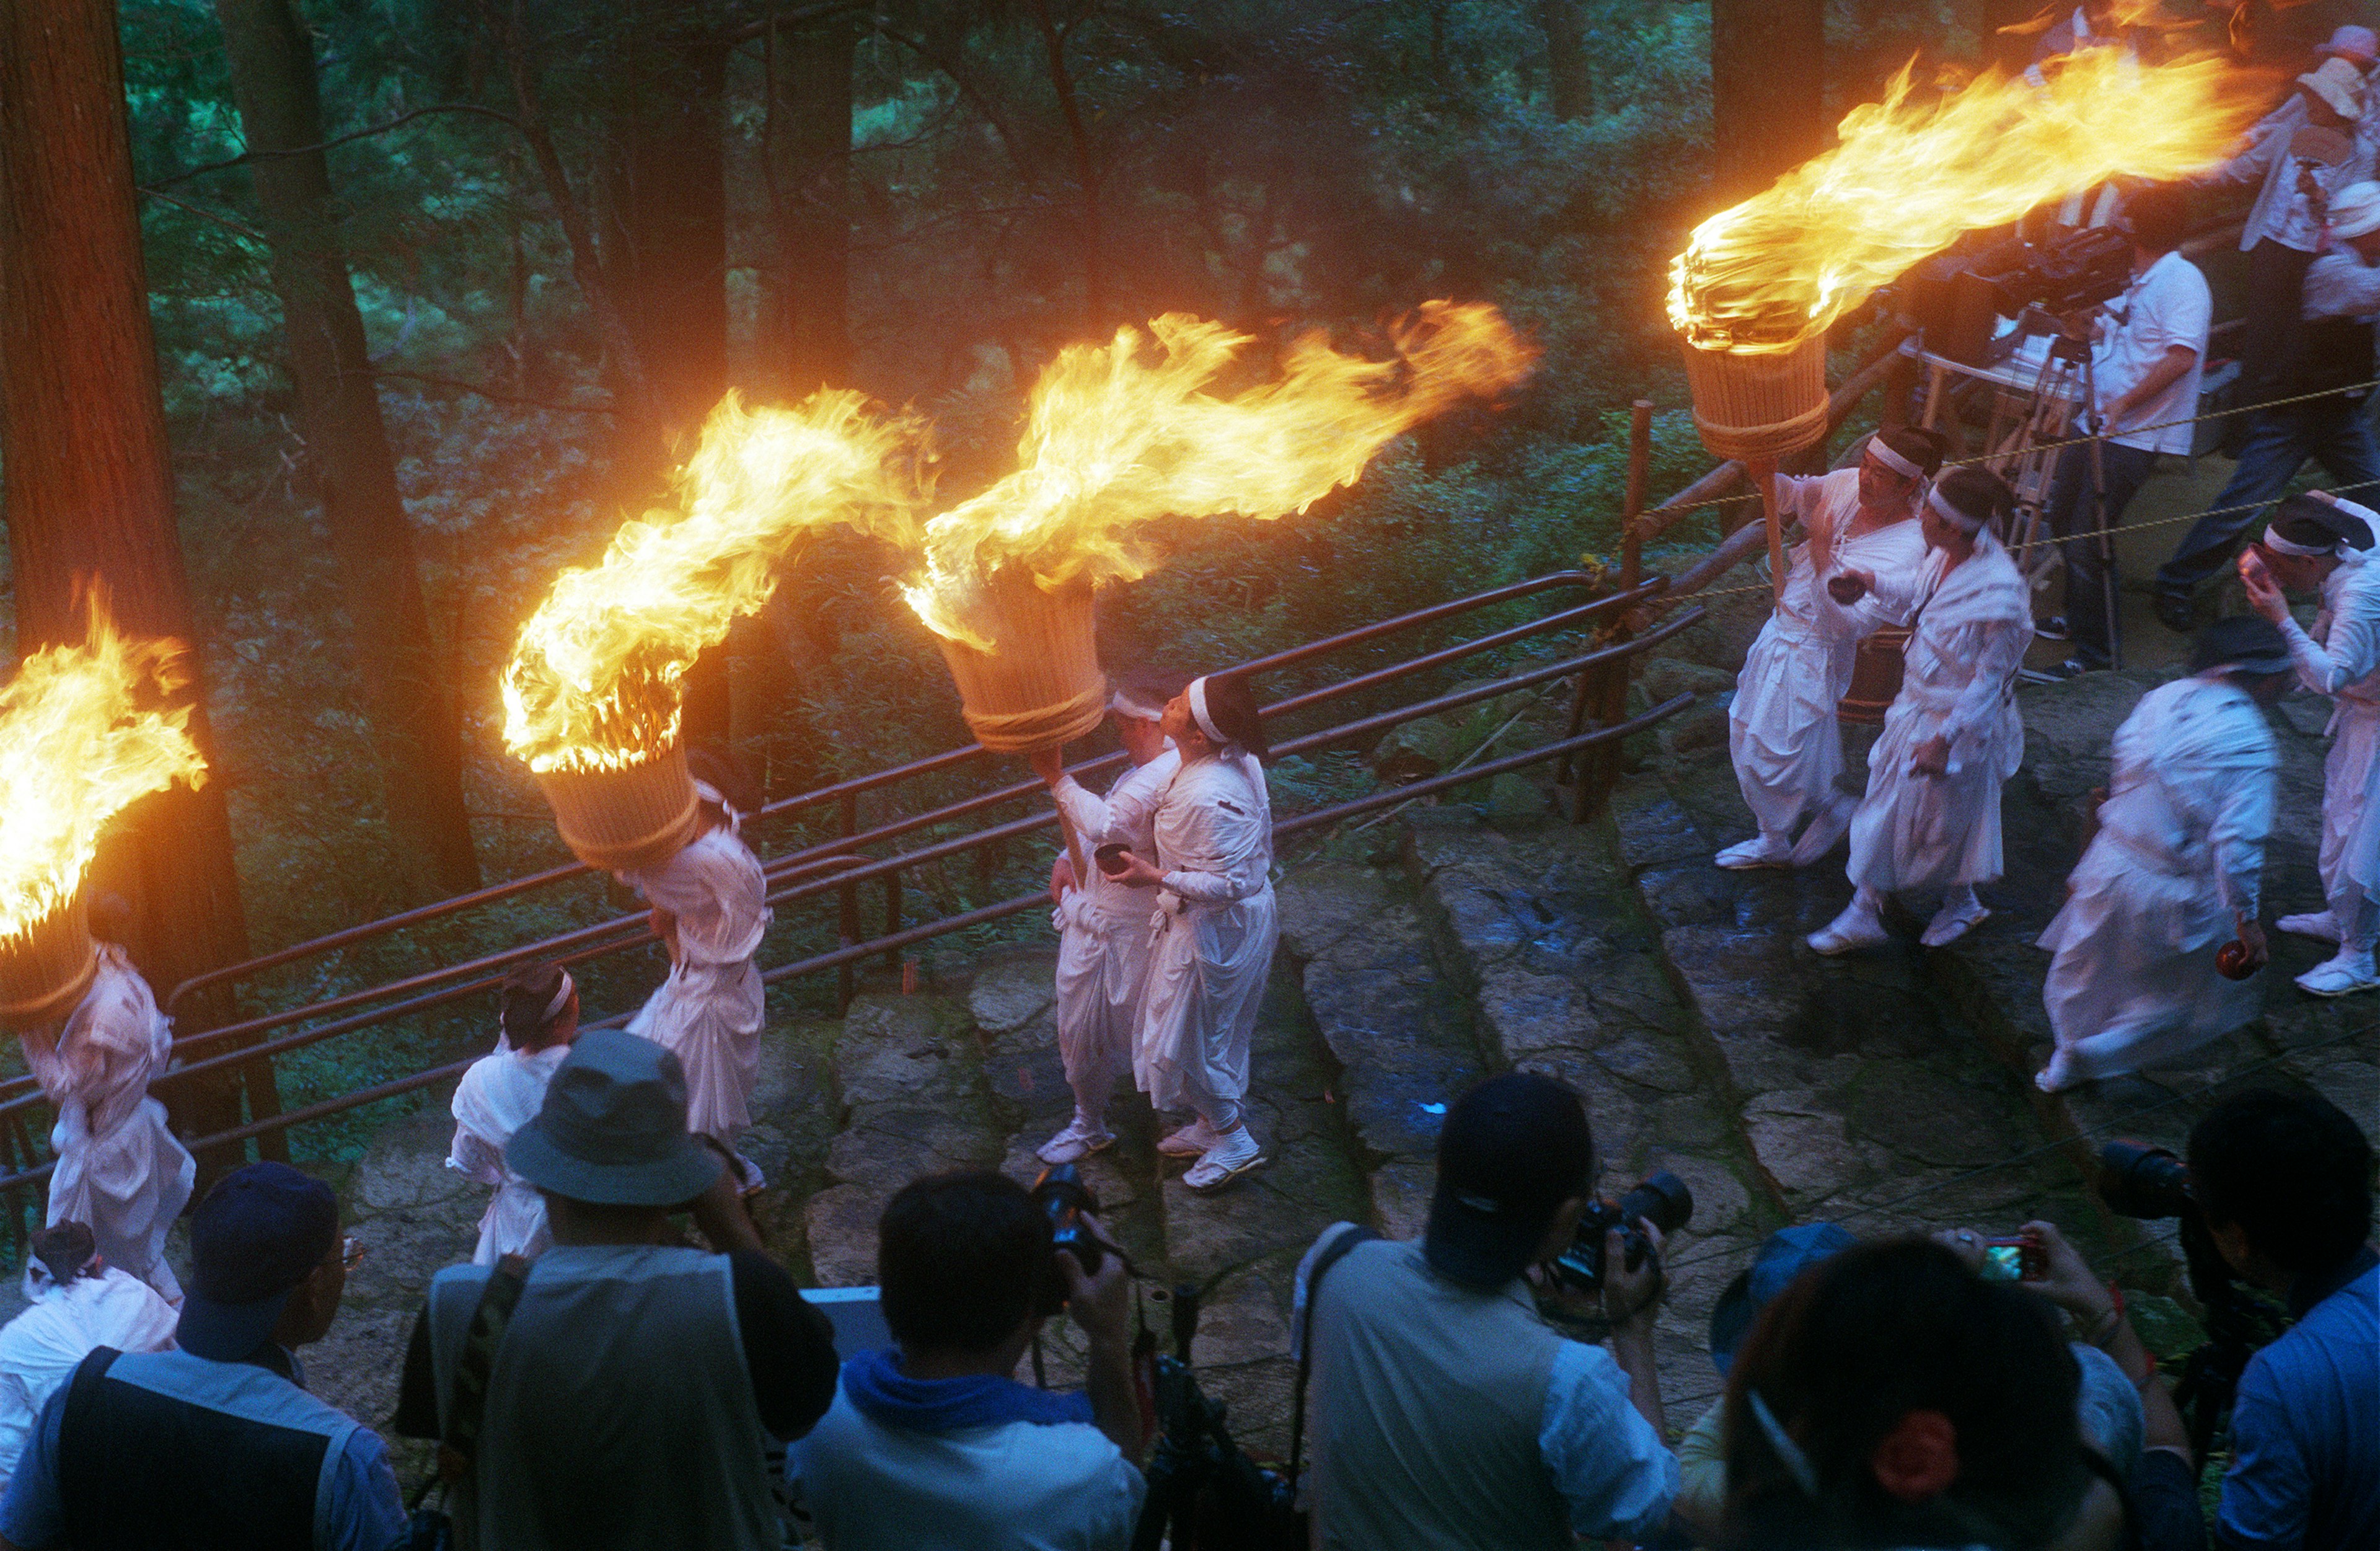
x: 1328, y: 1256
x: 458, y: 1446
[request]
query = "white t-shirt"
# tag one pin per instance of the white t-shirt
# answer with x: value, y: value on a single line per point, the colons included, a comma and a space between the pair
x: 1010, y: 1487
x: 2166, y: 304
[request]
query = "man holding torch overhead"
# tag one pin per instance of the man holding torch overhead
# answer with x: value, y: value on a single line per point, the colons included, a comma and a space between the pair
x: 2316, y: 542
x: 120, y: 1169
x: 1211, y: 938
x: 1102, y: 925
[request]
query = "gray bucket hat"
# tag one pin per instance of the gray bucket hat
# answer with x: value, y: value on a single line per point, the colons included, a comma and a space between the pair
x: 611, y: 1130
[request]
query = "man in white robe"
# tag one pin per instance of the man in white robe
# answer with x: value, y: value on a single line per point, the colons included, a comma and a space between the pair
x: 1102, y: 924
x: 1213, y: 930
x: 74, y: 1303
x: 119, y: 1170
x: 500, y: 1094
x: 2175, y: 870
x: 2317, y: 543
x: 1931, y: 818
x: 1782, y: 733
x: 710, y: 906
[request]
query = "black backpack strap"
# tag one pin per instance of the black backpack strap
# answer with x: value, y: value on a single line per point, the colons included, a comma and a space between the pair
x: 458, y: 1446
x: 1328, y: 1256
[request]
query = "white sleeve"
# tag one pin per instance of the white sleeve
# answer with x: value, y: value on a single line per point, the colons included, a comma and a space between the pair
x: 1999, y: 647
x: 2242, y: 818
x: 1087, y: 813
x: 1223, y: 855
x: 2350, y: 650
x: 1605, y: 1459
x: 472, y: 1157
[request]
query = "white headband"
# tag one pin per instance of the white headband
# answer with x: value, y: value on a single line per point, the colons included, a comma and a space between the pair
x: 1951, y: 514
x: 1124, y: 703
x: 561, y: 1000
x: 1893, y: 461
x: 1197, y: 693
x: 2280, y: 545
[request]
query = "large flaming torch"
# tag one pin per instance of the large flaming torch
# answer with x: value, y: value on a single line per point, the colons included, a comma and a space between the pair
x: 84, y: 730
x: 1757, y: 285
x: 1120, y: 439
x: 595, y: 688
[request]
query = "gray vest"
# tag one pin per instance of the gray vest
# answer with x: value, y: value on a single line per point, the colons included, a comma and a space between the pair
x: 1428, y: 1397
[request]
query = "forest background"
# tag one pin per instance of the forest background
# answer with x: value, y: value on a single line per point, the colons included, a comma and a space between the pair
x: 441, y: 288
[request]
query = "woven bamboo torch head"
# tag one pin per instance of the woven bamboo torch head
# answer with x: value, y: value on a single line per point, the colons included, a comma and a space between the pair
x: 46, y: 970
x: 1041, y: 685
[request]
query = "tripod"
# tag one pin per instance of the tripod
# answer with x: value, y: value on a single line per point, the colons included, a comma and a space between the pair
x: 2029, y: 456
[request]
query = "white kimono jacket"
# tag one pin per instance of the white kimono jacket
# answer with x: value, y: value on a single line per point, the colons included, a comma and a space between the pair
x: 1931, y: 832
x: 120, y: 1171
x: 498, y: 1096
x: 2178, y: 856
x: 2341, y: 659
x: 1781, y: 729
x: 1212, y: 936
x: 1103, y: 936
x: 60, y: 1326
x: 710, y: 1009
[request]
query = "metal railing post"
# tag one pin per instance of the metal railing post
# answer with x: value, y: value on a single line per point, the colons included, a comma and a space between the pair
x: 1604, y: 689
x: 893, y: 918
x: 847, y: 910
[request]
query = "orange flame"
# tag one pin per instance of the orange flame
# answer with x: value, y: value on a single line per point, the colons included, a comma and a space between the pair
x: 596, y: 681
x: 1767, y: 275
x: 1116, y: 440
x: 84, y: 730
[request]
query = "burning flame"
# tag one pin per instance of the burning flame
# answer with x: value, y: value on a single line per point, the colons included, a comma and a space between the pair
x: 596, y: 680
x: 1909, y: 177
x: 1117, y: 439
x: 84, y: 730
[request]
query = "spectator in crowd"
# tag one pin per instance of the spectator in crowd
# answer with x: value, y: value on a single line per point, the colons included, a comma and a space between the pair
x: 217, y: 1443
x: 2147, y: 359
x: 538, y: 1008
x: 930, y: 1445
x: 2284, y: 1181
x: 1890, y: 1397
x: 76, y: 1302
x: 638, y: 1383
x: 2326, y: 368
x: 1445, y: 1411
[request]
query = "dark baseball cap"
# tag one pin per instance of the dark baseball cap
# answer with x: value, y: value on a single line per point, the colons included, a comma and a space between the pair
x: 260, y: 1232
x: 1514, y: 1149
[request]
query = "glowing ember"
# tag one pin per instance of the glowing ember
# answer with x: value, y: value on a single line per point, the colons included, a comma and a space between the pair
x: 84, y: 730
x: 596, y: 682
x: 1117, y: 439
x: 1911, y: 175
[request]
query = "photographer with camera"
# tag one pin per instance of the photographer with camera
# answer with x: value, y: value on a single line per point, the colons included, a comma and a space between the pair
x: 931, y: 1443
x: 2283, y: 1185
x: 2327, y: 366
x: 1446, y: 1412
x: 2149, y: 354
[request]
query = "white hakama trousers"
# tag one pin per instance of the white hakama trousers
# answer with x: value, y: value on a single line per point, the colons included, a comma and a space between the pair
x: 1206, y: 981
x: 1102, y: 971
x: 127, y: 1187
x: 2350, y: 858
x: 709, y: 1016
x: 1781, y: 731
x: 1928, y: 832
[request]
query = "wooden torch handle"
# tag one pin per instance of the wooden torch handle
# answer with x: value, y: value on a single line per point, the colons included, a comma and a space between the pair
x: 1763, y: 477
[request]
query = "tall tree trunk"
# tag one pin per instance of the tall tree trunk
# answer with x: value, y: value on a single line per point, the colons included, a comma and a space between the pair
x: 809, y: 175
x: 89, y: 480
x: 417, y: 741
x: 1570, y: 82
x: 1768, y: 76
x: 1091, y: 226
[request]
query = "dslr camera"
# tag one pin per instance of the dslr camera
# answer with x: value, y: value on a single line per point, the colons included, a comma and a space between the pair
x: 1661, y: 1199
x: 1068, y: 1203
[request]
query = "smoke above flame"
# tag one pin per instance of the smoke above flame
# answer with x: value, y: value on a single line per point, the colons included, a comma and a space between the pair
x: 1912, y: 174
x: 596, y: 680
x: 84, y: 731
x: 1129, y: 435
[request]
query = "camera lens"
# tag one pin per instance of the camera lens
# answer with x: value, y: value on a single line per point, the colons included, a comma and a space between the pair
x: 2139, y: 1180
x: 1663, y: 1200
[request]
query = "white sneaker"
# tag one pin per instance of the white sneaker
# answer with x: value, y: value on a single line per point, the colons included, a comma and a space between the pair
x: 1857, y: 927
x: 1953, y: 920
x: 1235, y: 1153
x: 2320, y: 925
x: 1078, y: 1141
x: 2342, y: 975
x: 1824, y: 831
x: 1193, y: 1141
x: 1761, y: 850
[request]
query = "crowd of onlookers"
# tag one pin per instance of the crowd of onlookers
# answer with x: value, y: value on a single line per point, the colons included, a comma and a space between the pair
x: 625, y: 1389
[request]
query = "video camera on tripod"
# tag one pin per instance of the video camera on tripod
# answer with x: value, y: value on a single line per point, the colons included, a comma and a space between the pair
x: 1958, y: 298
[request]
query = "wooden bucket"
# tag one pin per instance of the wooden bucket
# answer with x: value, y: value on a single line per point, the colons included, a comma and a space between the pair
x: 1876, y: 678
x: 627, y: 819
x: 1759, y: 408
x: 1043, y: 686
x: 45, y: 969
